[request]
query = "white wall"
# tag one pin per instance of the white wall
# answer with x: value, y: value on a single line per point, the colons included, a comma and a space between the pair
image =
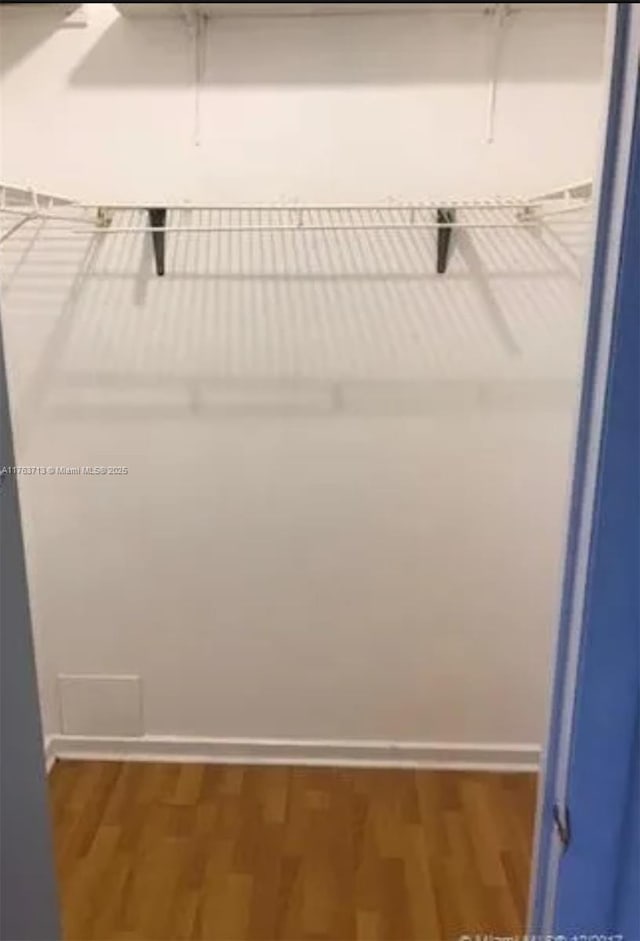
x: 345, y: 498
x: 342, y: 108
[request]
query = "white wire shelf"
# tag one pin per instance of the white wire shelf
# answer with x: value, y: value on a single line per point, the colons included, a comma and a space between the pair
x: 250, y: 322
x: 67, y: 218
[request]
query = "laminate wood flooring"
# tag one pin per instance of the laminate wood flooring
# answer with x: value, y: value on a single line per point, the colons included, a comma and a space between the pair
x: 175, y: 851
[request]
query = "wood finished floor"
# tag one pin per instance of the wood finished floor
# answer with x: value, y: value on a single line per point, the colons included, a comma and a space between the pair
x: 152, y: 851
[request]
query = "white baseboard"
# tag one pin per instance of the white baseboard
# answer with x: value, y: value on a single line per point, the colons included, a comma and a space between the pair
x: 364, y: 753
x: 49, y: 752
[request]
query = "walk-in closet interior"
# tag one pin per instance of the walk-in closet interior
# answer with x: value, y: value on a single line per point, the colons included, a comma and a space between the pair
x: 293, y: 317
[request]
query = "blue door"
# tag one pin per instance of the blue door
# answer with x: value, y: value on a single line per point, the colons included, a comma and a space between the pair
x: 587, y: 881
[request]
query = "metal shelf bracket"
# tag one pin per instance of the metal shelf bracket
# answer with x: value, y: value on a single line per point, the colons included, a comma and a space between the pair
x: 446, y: 218
x: 157, y: 222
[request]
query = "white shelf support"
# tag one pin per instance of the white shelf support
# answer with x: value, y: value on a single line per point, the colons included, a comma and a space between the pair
x: 560, y: 201
x: 197, y: 21
x: 498, y: 13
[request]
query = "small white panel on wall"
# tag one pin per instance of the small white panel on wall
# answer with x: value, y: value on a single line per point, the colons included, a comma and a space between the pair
x: 100, y: 705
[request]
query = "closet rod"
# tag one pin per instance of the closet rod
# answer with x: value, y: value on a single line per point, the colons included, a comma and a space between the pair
x: 301, y: 208
x: 491, y: 203
x: 364, y: 227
